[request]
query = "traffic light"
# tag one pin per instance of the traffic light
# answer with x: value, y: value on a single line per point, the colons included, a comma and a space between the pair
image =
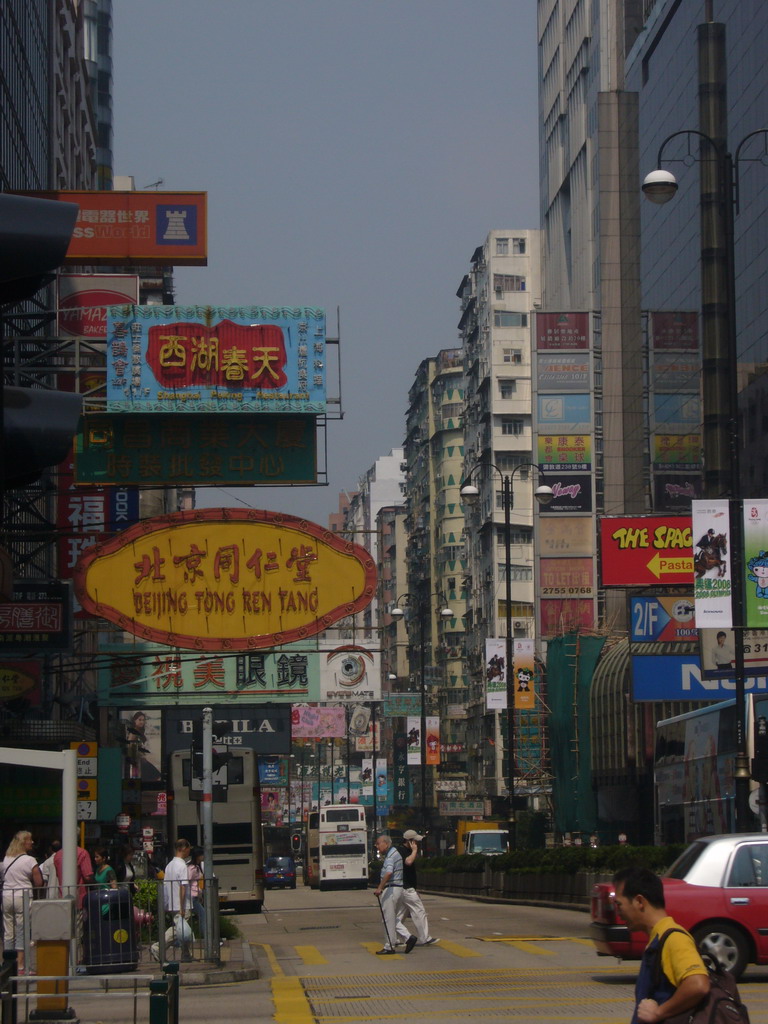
x: 34, y: 238
x: 296, y: 841
x: 38, y: 425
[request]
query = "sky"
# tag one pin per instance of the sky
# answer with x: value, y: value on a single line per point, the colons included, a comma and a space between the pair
x: 355, y: 153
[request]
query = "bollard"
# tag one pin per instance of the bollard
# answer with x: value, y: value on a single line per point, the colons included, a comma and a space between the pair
x: 53, y: 927
x: 164, y: 996
x: 171, y: 972
x: 158, y: 1002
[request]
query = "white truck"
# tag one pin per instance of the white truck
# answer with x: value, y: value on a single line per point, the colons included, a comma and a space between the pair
x: 481, y: 837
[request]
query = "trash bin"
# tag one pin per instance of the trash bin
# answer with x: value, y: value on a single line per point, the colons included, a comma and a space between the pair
x: 109, y: 936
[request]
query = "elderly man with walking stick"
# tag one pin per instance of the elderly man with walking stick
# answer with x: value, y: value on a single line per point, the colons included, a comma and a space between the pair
x: 389, y: 893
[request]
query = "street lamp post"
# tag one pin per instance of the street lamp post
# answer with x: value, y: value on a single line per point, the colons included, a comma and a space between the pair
x: 543, y: 495
x: 445, y: 613
x: 720, y: 201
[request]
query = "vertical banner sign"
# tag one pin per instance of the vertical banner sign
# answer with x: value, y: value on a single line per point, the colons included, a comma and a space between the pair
x: 413, y: 726
x: 400, y: 744
x: 711, y: 564
x: 366, y: 777
x: 524, y: 675
x: 433, y: 739
x: 381, y: 784
x: 756, y: 563
x: 495, y: 674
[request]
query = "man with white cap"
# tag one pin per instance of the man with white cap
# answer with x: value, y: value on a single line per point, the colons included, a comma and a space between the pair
x: 411, y: 902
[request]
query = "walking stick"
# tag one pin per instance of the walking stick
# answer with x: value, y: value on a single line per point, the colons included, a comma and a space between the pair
x: 383, y: 918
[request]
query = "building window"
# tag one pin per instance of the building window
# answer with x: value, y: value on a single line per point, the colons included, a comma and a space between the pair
x: 512, y: 355
x: 507, y: 388
x: 502, y: 247
x: 518, y: 246
x: 517, y: 535
x: 509, y: 461
x: 508, y: 283
x: 510, y: 425
x: 505, y: 318
x: 518, y: 573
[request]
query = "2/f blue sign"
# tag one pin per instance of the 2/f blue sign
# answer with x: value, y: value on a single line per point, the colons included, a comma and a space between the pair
x: 661, y: 619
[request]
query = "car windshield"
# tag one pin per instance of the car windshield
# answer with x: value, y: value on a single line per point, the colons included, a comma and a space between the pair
x: 686, y: 860
x: 285, y: 863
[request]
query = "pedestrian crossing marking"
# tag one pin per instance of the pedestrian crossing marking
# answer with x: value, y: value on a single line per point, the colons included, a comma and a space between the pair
x: 529, y: 947
x: 310, y: 955
x: 455, y: 948
x: 521, y: 941
x: 373, y: 947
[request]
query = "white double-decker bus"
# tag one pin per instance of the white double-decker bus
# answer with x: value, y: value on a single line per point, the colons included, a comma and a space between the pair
x: 238, y: 859
x: 337, y: 848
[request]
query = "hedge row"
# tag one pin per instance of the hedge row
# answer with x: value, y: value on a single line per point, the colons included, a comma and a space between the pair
x: 565, y: 859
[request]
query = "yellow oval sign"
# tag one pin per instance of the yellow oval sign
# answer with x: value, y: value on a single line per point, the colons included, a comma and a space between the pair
x: 225, y: 579
x: 14, y: 682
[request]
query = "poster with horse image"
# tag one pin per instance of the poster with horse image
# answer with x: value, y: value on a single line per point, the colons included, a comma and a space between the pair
x: 711, y: 564
x: 495, y: 674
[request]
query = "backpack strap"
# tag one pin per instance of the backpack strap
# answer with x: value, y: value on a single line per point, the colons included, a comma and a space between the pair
x: 657, y: 968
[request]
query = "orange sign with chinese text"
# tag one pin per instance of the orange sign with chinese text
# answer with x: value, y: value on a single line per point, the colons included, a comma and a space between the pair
x: 137, y: 227
x: 225, y: 579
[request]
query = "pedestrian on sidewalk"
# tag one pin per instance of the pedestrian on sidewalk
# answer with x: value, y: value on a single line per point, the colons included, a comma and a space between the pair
x: 389, y: 892
x: 20, y: 874
x: 412, y: 905
x: 177, y: 902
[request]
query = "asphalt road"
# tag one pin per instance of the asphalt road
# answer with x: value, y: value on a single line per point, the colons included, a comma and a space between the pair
x: 316, y: 954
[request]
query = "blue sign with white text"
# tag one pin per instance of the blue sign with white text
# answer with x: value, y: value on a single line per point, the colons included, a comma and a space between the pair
x: 678, y: 677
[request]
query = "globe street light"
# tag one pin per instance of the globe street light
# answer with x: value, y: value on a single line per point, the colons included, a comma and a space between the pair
x: 719, y: 202
x: 445, y: 613
x: 543, y: 495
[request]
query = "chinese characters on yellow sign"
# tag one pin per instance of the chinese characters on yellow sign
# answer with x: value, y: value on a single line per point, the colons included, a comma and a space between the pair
x: 225, y: 579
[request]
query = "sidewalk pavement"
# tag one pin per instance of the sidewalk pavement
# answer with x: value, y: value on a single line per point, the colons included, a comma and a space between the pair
x: 237, y: 964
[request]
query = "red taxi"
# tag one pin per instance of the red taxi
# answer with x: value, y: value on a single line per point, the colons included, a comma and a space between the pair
x: 717, y: 889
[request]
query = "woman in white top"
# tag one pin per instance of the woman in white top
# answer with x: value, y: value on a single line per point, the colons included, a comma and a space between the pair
x: 20, y: 872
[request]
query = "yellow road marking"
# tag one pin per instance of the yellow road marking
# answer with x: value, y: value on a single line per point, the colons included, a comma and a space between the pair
x: 291, y: 1003
x: 456, y: 949
x: 270, y: 954
x: 531, y: 938
x: 373, y: 947
x: 529, y: 947
x: 310, y: 954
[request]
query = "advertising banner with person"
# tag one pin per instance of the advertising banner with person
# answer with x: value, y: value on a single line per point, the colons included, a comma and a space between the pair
x: 711, y: 564
x: 413, y: 725
x: 495, y: 674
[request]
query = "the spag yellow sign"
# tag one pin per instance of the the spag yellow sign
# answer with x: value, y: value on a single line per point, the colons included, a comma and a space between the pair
x: 225, y: 579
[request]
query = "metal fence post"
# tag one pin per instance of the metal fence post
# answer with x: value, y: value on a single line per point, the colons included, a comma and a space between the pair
x: 161, y: 921
x: 7, y: 986
x: 213, y: 920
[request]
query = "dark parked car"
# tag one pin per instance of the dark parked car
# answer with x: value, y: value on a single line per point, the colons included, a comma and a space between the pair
x: 280, y: 873
x: 717, y: 889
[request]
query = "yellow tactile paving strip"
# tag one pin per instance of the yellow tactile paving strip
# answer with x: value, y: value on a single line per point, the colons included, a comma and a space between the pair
x: 445, y: 995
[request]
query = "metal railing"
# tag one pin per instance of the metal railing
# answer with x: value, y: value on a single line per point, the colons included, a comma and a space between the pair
x: 19, y: 993
x: 119, y: 929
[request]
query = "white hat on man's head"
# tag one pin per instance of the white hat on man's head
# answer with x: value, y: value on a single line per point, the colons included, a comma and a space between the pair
x: 410, y: 834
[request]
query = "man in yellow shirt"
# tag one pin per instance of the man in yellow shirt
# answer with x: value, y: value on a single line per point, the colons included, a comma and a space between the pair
x: 684, y: 980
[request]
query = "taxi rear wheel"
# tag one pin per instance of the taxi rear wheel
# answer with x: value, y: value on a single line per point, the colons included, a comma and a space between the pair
x: 726, y: 944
